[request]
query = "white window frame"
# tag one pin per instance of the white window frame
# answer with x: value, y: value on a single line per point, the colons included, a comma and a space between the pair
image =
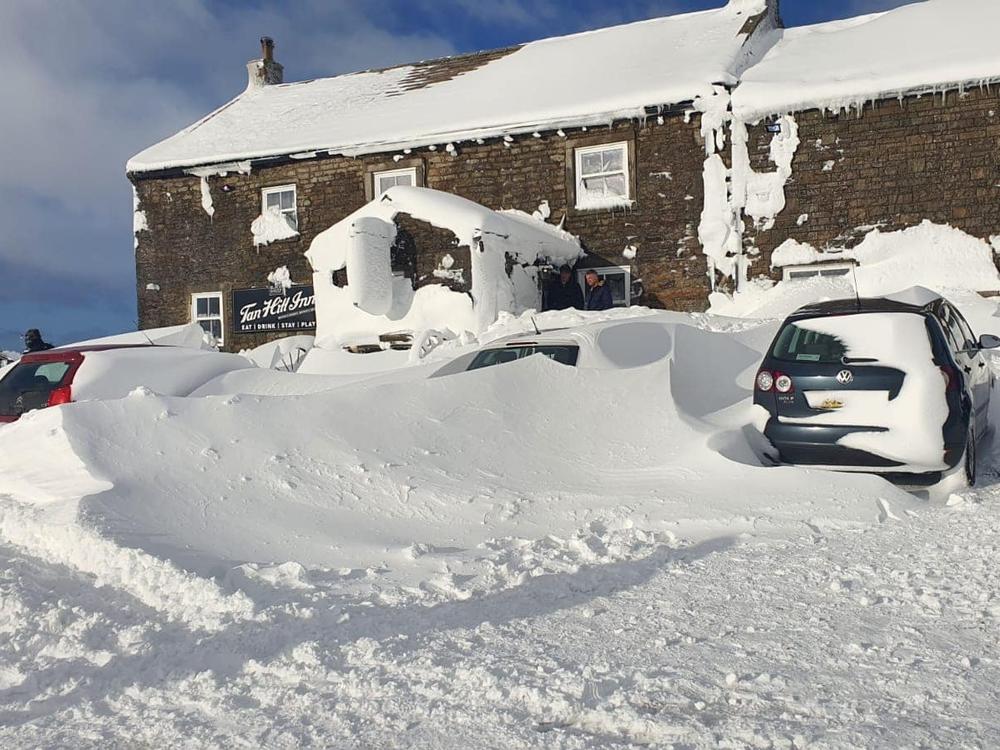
x: 376, y: 176
x: 604, y: 271
x: 221, y: 317
x: 582, y: 202
x: 815, y: 270
x: 286, y: 212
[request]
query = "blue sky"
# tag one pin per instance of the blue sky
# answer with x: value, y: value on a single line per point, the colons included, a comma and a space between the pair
x: 88, y: 83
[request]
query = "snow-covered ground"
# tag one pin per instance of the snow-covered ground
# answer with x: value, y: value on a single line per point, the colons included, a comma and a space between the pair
x: 521, y: 556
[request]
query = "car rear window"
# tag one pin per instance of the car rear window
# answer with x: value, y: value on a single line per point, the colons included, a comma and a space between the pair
x: 564, y: 355
x: 825, y: 339
x: 28, y: 385
x: 798, y: 344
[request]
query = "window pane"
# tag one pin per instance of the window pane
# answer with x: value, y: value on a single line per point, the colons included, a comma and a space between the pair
x: 216, y: 328
x: 835, y: 272
x: 201, y: 306
x: 213, y: 306
x: 288, y: 199
x: 615, y: 185
x: 616, y: 282
x: 612, y: 160
x: 292, y: 218
x: 272, y: 200
x: 594, y: 186
x: 591, y: 163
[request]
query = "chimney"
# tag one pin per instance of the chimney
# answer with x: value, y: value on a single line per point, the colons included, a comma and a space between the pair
x: 265, y: 71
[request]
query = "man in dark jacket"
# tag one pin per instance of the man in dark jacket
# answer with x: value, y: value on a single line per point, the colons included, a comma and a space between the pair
x: 598, y: 293
x: 563, y: 292
x: 33, y: 341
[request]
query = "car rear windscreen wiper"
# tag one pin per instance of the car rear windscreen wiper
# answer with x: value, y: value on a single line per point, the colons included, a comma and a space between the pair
x: 857, y: 360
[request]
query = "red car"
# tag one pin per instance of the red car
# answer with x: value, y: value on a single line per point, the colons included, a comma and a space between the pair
x: 83, y: 373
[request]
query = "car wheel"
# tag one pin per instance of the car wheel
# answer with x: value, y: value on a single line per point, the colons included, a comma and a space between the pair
x: 963, y: 474
x: 970, y: 461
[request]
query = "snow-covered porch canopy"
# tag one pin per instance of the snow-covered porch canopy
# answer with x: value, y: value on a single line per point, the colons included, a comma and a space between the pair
x: 590, y: 78
x: 929, y: 46
x: 504, y: 248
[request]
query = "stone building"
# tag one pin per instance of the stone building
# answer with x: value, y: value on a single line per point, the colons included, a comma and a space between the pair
x: 594, y: 128
x: 682, y: 152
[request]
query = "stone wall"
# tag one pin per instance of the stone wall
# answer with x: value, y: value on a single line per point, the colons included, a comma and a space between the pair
x: 892, y: 166
x: 186, y: 251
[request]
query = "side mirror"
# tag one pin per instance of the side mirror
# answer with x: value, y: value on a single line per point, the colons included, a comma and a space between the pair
x: 989, y: 341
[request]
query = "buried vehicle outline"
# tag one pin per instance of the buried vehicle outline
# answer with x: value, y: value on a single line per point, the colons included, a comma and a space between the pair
x: 891, y: 385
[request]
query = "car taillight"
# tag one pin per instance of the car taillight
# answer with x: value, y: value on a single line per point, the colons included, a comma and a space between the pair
x: 783, y: 383
x: 951, y: 378
x: 765, y: 381
x: 61, y: 395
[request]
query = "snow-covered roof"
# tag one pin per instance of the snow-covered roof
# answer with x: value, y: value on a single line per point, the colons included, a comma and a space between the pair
x: 583, y: 79
x: 923, y: 47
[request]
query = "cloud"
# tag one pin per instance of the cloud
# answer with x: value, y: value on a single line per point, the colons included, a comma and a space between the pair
x: 88, y: 84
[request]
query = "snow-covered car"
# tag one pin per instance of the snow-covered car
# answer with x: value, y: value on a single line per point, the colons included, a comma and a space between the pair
x: 896, y: 386
x: 87, y: 373
x: 613, y: 344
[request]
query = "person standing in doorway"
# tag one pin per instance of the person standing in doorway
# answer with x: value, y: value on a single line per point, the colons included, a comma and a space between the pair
x: 563, y: 293
x: 598, y: 293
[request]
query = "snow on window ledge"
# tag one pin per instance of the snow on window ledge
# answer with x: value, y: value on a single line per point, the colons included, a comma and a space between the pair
x: 604, y: 203
x: 271, y: 226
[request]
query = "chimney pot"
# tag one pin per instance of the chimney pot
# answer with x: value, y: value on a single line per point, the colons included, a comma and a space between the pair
x: 266, y: 71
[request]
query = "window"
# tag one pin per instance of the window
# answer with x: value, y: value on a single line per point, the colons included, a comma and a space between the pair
x: 602, y: 176
x: 617, y: 278
x: 386, y: 180
x: 206, y: 310
x: 958, y: 330
x: 816, y: 270
x: 282, y: 200
x: 563, y: 354
x: 799, y: 344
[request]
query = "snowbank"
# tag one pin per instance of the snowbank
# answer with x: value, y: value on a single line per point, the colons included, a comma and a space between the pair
x: 921, y: 47
x: 931, y: 255
x: 935, y: 256
x: 614, y: 72
x: 165, y: 370
x: 190, y: 336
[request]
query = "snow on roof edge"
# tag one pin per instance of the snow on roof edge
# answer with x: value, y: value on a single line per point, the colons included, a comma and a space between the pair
x: 856, y: 102
x: 431, y: 139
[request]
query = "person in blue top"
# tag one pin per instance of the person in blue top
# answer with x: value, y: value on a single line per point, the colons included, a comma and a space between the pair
x: 598, y: 295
